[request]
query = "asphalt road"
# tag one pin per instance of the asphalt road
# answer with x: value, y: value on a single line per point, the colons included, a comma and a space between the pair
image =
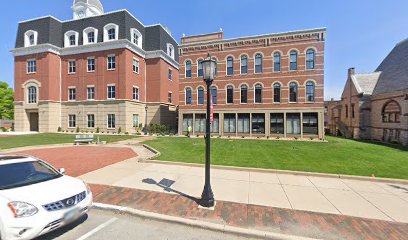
x: 105, y: 225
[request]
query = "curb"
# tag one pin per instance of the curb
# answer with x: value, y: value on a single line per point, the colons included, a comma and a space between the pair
x: 199, y: 224
x: 263, y: 170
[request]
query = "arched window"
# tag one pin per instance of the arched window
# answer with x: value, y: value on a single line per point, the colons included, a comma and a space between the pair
x: 30, y: 38
x: 293, y: 60
x: 216, y: 65
x: 310, y: 59
x: 276, y: 62
x: 293, y: 89
x: 244, y: 64
x: 276, y: 93
x: 258, y: 63
x: 391, y: 112
x: 189, y: 99
x: 170, y: 50
x: 90, y: 35
x: 188, y: 69
x: 214, y: 95
x: 137, y: 38
x: 32, y: 94
x: 111, y: 32
x: 244, y: 94
x: 71, y: 39
x: 258, y: 93
x: 200, y: 99
x: 230, y: 66
x: 230, y: 94
x: 310, y: 91
x: 200, y: 72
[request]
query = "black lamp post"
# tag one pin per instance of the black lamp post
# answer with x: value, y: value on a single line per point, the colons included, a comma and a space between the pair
x: 145, y: 128
x: 209, y: 66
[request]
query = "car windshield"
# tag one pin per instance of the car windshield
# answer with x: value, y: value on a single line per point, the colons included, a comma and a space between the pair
x: 25, y: 173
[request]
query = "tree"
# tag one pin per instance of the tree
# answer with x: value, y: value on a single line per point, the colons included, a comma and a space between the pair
x: 6, y: 101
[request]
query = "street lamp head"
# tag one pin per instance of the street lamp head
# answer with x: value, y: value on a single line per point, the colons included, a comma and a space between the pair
x: 209, y: 67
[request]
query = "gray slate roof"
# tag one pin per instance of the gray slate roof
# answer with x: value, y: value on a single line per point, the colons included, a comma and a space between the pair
x: 394, y: 70
x: 51, y: 30
x: 365, y: 83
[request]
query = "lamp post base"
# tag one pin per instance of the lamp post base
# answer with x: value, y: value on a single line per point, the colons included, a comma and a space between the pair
x: 207, y: 197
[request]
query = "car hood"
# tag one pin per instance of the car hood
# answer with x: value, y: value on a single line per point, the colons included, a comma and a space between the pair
x: 45, y: 192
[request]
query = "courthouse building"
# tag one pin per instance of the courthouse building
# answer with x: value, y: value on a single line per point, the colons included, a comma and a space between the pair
x: 99, y: 70
x: 266, y: 85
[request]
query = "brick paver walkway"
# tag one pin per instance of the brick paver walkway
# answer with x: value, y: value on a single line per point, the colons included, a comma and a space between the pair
x: 278, y: 220
x: 79, y: 160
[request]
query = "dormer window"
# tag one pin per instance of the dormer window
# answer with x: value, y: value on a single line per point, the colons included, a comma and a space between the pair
x: 111, y: 32
x: 71, y: 39
x: 90, y: 35
x: 136, y: 37
x: 170, y: 50
x: 30, y: 38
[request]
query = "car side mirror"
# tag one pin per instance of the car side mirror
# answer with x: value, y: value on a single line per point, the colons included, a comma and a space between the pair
x: 62, y: 170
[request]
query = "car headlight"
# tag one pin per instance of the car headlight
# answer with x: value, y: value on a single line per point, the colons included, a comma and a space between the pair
x: 22, y: 209
x: 88, y: 189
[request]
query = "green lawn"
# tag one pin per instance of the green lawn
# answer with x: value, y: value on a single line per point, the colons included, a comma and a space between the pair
x: 338, y: 156
x: 48, y: 138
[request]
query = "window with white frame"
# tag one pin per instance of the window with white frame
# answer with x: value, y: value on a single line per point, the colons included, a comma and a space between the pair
x: 136, y: 65
x: 111, y: 62
x: 90, y: 35
x: 277, y: 62
x: 90, y: 93
x: 30, y: 38
x: 111, y: 32
x: 170, y: 50
x: 32, y: 94
x: 111, y: 92
x: 71, y: 120
x: 71, y: 39
x: 258, y: 63
x: 136, y: 93
x: 91, y: 120
x: 91, y: 64
x: 111, y: 121
x: 136, y: 37
x: 258, y: 93
x: 200, y: 96
x: 244, y: 64
x: 188, y: 69
x: 214, y: 95
x: 310, y: 91
x: 310, y: 59
x: 32, y: 66
x: 293, y: 58
x: 200, y: 68
x: 135, y: 120
x: 71, y: 66
x: 189, y: 98
x: 293, y: 91
x: 230, y: 66
x: 170, y: 74
x: 72, y: 94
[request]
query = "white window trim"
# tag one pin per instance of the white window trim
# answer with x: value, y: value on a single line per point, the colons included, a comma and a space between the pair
x: 30, y: 60
x: 273, y: 61
x: 200, y: 104
x: 133, y: 94
x: 262, y: 63
x: 69, y: 61
x: 75, y: 121
x: 262, y: 89
x: 133, y: 120
x: 297, y: 60
x: 28, y: 93
x: 240, y: 64
x: 226, y: 66
x: 87, y: 87
x: 132, y: 32
x: 133, y: 64
x: 87, y: 70
x: 70, y: 100
x: 85, y: 35
x: 27, y: 38
x: 67, y: 42
x: 87, y: 120
x: 107, y: 62
x: 170, y: 46
x: 107, y: 121
x: 233, y: 91
x: 314, y: 60
x: 107, y: 91
x: 185, y: 68
x: 185, y: 96
x: 240, y: 92
x: 314, y: 89
x: 107, y: 28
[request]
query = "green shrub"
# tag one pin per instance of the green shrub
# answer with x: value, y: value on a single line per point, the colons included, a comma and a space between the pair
x: 120, y: 130
x: 77, y: 130
x: 97, y: 130
x: 59, y: 129
x: 138, y: 133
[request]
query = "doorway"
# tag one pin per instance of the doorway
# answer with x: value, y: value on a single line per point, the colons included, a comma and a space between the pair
x: 34, y: 119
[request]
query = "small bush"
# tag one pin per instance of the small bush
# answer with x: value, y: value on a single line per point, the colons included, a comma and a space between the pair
x: 77, y: 129
x: 198, y: 135
x: 97, y: 130
x: 171, y: 135
x: 311, y: 138
x: 120, y: 130
x: 277, y: 137
x: 59, y: 129
x: 138, y: 133
x: 296, y: 138
x: 267, y: 137
x: 242, y: 136
x: 126, y: 133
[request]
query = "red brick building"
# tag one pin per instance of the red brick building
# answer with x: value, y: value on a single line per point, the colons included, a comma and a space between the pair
x: 267, y: 85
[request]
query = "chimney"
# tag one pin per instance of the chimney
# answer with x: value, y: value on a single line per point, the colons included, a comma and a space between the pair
x: 351, y: 71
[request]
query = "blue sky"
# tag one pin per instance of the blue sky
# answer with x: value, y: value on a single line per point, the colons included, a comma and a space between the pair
x: 360, y: 33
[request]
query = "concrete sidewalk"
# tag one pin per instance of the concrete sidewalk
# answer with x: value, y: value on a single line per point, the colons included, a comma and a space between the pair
x: 373, y: 200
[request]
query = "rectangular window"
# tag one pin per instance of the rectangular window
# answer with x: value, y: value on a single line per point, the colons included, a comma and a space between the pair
x: 170, y: 74
x: 72, y: 40
x: 71, y: 66
x: 90, y: 93
x: 111, y: 121
x: 230, y: 95
x: 310, y: 123
x: 111, y: 62
x: 215, y: 125
x: 352, y: 111
x: 91, y: 65
x: 244, y: 65
x: 229, y: 123
x: 170, y: 97
x: 136, y: 93
x: 187, y: 121
x: 277, y: 123
x: 91, y: 37
x: 136, y: 65
x: 111, y: 92
x: 71, y: 121
x: 293, y: 123
x: 32, y: 94
x: 31, y: 66
x: 91, y: 120
x: 200, y: 96
x: 199, y: 125
x: 258, y: 123
x: 135, y: 120
x: 72, y: 94
x: 244, y: 122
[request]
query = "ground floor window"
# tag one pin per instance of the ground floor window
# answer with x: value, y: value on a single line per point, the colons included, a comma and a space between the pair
x: 72, y: 121
x: 91, y: 120
x: 229, y: 123
x: 258, y: 123
x: 187, y: 121
x: 277, y: 123
x: 310, y: 124
x: 111, y: 121
x: 199, y: 126
x: 135, y: 120
x: 215, y: 125
x: 293, y: 123
x: 244, y: 122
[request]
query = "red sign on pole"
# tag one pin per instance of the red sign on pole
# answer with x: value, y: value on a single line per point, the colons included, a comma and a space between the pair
x: 211, y: 110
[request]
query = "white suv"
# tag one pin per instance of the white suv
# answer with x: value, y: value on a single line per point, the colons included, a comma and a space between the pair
x: 35, y: 198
